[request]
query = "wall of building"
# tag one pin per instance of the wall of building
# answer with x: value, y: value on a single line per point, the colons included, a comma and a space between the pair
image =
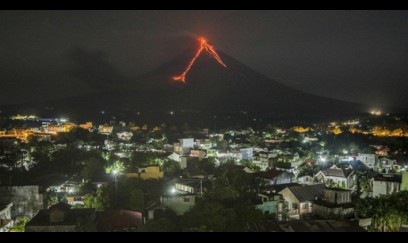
x: 27, y: 200
x: 268, y: 207
x: 404, y: 184
x: 368, y: 159
x: 306, y: 180
x: 184, y: 188
x: 179, y: 204
x: 341, y: 198
x: 332, y: 212
x: 385, y: 187
x: 290, y: 198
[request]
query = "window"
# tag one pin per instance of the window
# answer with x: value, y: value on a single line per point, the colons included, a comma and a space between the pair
x: 186, y: 199
x: 294, y: 206
x: 304, y: 205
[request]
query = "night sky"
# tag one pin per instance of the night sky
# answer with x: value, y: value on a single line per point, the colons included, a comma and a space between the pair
x: 359, y: 56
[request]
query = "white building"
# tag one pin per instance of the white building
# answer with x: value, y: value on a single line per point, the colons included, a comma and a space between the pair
x: 105, y: 129
x: 386, y: 184
x: 300, y: 199
x: 186, y: 145
x: 125, y: 136
x: 305, y: 180
x: 187, y: 142
x: 343, y: 176
x: 368, y: 159
x: 247, y: 153
x: 174, y: 156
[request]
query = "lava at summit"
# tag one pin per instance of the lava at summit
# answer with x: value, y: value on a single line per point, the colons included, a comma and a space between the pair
x: 204, y: 45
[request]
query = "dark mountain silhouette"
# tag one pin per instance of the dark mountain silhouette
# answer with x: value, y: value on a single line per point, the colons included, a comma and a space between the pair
x: 210, y: 89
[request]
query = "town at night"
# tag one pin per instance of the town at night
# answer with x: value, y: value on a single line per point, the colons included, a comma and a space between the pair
x: 203, y: 121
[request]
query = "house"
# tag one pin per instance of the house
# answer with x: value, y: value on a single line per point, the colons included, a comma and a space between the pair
x: 336, y: 203
x: 243, y: 168
x: 385, y: 165
x: 370, y: 160
x: 263, y: 166
x: 105, y: 129
x: 199, y: 153
x: 305, y: 180
x: 124, y: 136
x: 342, y: 176
x: 6, y: 223
x: 119, y: 221
x: 153, y: 208
x: 300, y: 199
x: 385, y: 184
x: 404, y: 181
x: 247, y: 153
x: 186, y: 144
x: 194, y: 186
x: 148, y: 173
x: 179, y: 203
x: 75, y: 199
x: 60, y: 218
x: 264, y: 156
x: 174, y: 156
x: 276, y: 177
x: 272, y: 204
x: 204, y: 143
x: 182, y: 195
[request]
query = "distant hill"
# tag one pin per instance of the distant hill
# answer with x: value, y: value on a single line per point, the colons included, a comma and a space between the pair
x: 210, y: 89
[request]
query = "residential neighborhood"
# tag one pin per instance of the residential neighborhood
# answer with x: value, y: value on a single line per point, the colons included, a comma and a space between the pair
x: 81, y: 177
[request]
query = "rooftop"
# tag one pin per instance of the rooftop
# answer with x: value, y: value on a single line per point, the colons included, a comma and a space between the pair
x: 342, y: 171
x: 388, y: 177
x: 324, y: 226
x: 308, y: 192
x: 119, y: 220
x: 71, y: 216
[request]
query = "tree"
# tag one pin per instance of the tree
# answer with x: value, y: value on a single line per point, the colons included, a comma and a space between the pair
x: 99, y: 200
x: 117, y: 166
x: 161, y: 225
x: 388, y: 212
x: 93, y: 167
x: 85, y: 225
x: 136, y: 199
x: 206, y: 216
x: 171, y: 167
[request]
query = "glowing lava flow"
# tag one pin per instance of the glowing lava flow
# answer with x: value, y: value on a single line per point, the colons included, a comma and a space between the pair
x: 204, y: 45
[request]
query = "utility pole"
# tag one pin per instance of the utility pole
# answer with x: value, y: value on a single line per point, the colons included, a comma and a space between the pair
x: 201, y: 187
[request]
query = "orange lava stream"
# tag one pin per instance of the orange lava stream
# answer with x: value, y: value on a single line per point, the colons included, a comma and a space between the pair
x: 204, y: 45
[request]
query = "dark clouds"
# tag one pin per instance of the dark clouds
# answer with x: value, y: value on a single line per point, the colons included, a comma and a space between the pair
x: 352, y: 55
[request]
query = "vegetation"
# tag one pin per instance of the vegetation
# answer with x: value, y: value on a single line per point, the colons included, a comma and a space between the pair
x: 19, y: 226
x: 388, y: 212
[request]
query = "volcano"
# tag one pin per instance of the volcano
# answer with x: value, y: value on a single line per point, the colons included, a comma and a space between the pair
x: 210, y: 89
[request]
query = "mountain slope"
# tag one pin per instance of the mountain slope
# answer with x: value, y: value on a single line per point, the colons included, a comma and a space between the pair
x: 210, y: 89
